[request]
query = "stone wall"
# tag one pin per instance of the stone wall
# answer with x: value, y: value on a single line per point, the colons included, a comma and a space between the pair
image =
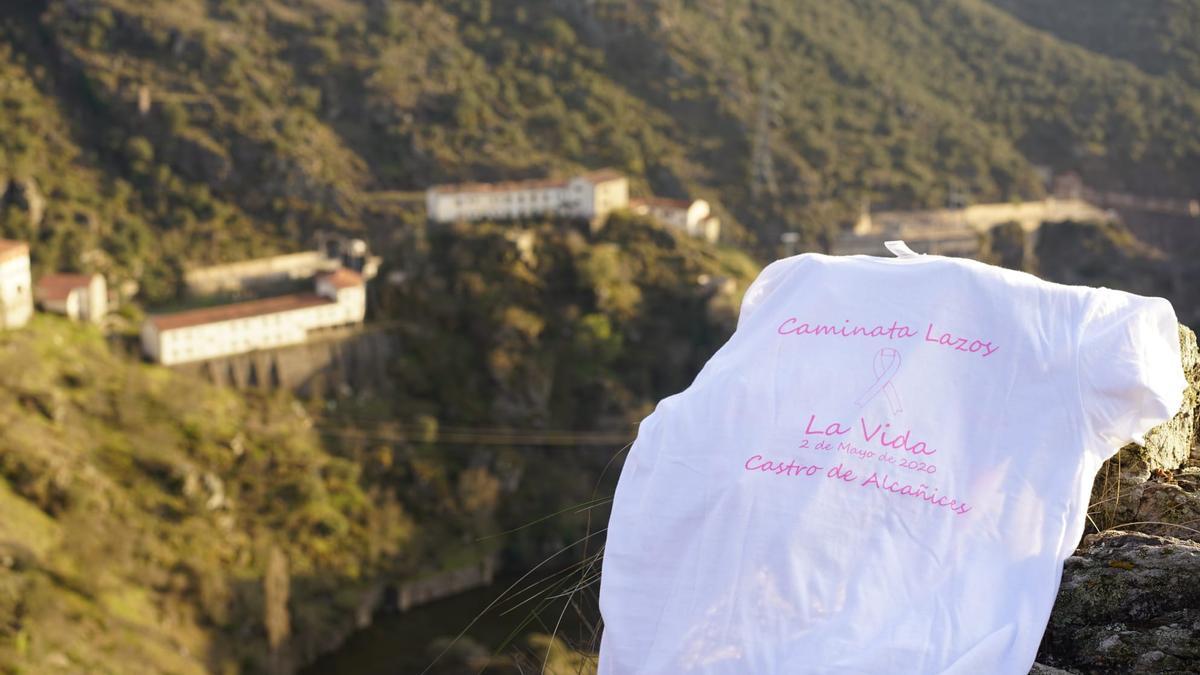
x: 444, y: 584
x: 981, y: 217
x: 330, y: 362
x: 958, y: 231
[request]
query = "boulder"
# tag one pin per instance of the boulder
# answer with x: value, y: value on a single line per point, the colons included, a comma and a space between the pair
x: 1117, y: 494
x: 1039, y: 669
x: 1128, y: 603
x: 1169, y: 505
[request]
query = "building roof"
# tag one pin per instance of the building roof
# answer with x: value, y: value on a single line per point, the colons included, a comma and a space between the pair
x: 237, y: 310
x: 598, y: 176
x: 602, y: 175
x: 502, y: 186
x: 275, y: 263
x: 662, y: 203
x: 10, y: 249
x: 59, y: 286
x: 342, y: 278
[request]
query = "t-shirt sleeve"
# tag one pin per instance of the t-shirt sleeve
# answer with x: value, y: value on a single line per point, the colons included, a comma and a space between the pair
x: 1131, y: 372
x: 770, y: 278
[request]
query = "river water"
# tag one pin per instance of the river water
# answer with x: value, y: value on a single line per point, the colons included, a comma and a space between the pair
x: 403, y: 643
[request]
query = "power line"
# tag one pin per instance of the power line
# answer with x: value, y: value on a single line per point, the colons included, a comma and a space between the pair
x: 341, y: 418
x: 762, y: 161
x: 381, y: 420
x: 483, y: 437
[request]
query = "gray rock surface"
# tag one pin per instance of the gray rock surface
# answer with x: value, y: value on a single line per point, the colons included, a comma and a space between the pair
x: 1039, y: 669
x: 1128, y: 603
x: 1169, y: 505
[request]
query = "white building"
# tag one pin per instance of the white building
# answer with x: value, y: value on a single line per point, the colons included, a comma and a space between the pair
x: 211, y: 332
x: 82, y: 297
x: 16, y: 284
x: 692, y: 217
x: 591, y: 196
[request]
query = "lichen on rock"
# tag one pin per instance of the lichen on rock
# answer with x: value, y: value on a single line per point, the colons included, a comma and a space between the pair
x: 1128, y: 603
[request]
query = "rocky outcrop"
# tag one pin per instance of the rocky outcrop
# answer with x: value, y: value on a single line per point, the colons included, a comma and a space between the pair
x: 1101, y: 254
x: 1039, y: 669
x: 1121, y: 485
x: 1169, y: 505
x: 1128, y: 603
x: 1009, y: 245
x: 25, y: 194
x: 198, y: 157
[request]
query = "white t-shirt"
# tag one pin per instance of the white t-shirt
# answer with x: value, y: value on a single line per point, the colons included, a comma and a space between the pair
x: 881, y: 471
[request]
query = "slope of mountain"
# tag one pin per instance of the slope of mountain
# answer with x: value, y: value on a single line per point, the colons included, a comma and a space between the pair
x: 140, y: 509
x: 1160, y: 38
x: 160, y: 131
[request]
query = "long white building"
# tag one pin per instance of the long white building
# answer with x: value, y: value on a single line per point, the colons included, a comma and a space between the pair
x: 16, y: 284
x: 591, y: 196
x: 212, y: 332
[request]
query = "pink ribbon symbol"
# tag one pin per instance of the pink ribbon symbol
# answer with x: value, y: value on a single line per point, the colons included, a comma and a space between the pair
x: 886, y: 365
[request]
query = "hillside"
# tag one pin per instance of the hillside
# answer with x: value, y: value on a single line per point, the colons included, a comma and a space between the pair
x: 1159, y: 38
x: 535, y: 326
x: 142, y: 506
x: 152, y: 133
x: 154, y: 523
x: 146, y: 514
x: 540, y: 325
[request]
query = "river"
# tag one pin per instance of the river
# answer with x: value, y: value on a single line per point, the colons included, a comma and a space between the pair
x: 403, y: 643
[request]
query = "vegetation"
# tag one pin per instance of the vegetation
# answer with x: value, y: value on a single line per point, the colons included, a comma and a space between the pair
x: 167, y: 131
x: 151, y: 519
x: 1159, y: 38
x: 541, y: 326
x: 537, y: 324
x: 1107, y: 255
